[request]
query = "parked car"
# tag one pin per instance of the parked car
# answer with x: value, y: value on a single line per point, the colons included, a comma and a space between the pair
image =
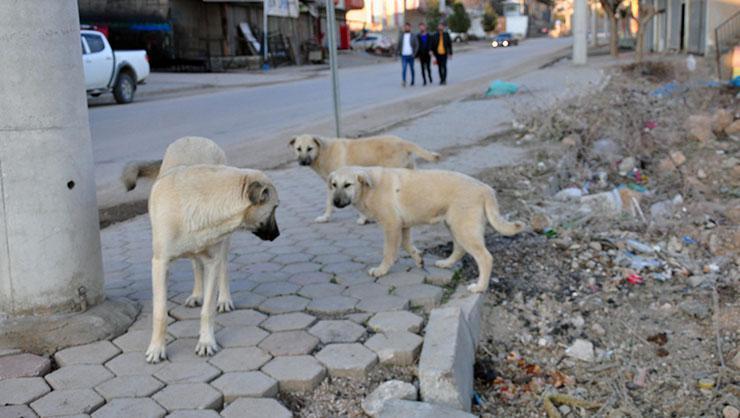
x: 107, y: 70
x: 371, y: 41
x: 504, y: 39
x: 458, y: 37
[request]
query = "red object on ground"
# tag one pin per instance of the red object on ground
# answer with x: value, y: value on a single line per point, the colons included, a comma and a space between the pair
x: 635, y: 279
x: 343, y: 36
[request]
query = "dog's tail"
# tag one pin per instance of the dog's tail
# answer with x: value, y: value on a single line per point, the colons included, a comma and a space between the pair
x: 500, y: 224
x: 136, y: 169
x: 421, y: 152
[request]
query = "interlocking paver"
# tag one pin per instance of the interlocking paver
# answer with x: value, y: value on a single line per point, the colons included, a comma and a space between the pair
x: 383, y: 303
x: 292, y: 258
x: 240, y: 359
x: 23, y: 365
x: 347, y: 360
x: 137, y: 340
x: 332, y: 305
x: 22, y: 390
x: 200, y: 372
x: 438, y: 276
x: 289, y: 343
x: 343, y: 267
x: 284, y: 304
x: 188, y: 328
x: 189, y: 396
x: 358, y: 318
x: 80, y: 376
x: 319, y: 290
x: 135, y: 407
x: 403, y: 278
x: 295, y: 373
x: 134, y: 363
x: 256, y: 408
x: 425, y: 296
x: 183, y: 350
x: 288, y: 322
x: 181, y: 312
x: 240, y: 336
x: 395, y: 321
x: 276, y: 289
x: 395, y: 347
x: 354, y: 278
x: 240, y: 318
x: 267, y: 276
x: 337, y: 331
x: 314, y: 277
x: 17, y: 411
x: 246, y: 300
x: 67, y: 402
x: 368, y: 290
x: 301, y: 268
x: 246, y: 384
x: 129, y: 387
x: 194, y: 413
x: 94, y: 353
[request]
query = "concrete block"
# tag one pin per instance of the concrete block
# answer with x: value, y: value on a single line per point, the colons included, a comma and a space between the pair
x: 347, y: 360
x: 246, y: 384
x: 81, y: 376
x: 295, y: 373
x: 392, y: 389
x: 134, y: 363
x: 23, y: 365
x: 438, y: 276
x: 395, y: 347
x: 22, y: 390
x: 241, y: 318
x: 136, y: 407
x: 471, y: 306
x: 138, y: 340
x: 17, y: 411
x: 256, y: 408
x: 189, y: 396
x: 284, y: 304
x: 395, y: 321
x: 288, y: 322
x: 276, y: 289
x: 402, y: 278
x: 289, y: 343
x: 240, y: 359
x: 332, y: 305
x: 129, y: 387
x: 446, y: 362
x: 240, y: 336
x: 383, y: 304
x: 425, y: 296
x: 397, y: 408
x: 337, y: 331
x: 320, y: 290
x: 194, y: 413
x: 200, y: 372
x: 368, y: 290
x: 95, y: 353
x: 246, y: 300
x: 67, y: 402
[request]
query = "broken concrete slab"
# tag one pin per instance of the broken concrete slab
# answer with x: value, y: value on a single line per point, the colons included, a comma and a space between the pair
x: 23, y: 365
x: 392, y: 389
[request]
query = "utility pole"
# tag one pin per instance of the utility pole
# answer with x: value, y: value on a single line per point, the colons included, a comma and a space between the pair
x: 331, y: 24
x: 580, y: 25
x: 594, y: 35
x: 265, y: 60
x: 442, y: 6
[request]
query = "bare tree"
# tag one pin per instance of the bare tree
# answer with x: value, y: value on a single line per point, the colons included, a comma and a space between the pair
x: 611, y: 8
x: 645, y: 13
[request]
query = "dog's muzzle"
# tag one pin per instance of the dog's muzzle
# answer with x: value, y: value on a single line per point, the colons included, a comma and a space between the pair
x: 305, y: 161
x: 268, y: 231
x: 341, y: 202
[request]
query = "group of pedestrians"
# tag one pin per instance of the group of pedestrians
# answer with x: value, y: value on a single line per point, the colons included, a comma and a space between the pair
x: 423, y: 45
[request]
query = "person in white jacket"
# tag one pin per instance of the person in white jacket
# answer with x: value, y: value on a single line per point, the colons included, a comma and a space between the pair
x: 408, y: 46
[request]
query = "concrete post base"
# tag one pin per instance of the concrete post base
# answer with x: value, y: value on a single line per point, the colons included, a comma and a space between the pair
x: 48, y: 334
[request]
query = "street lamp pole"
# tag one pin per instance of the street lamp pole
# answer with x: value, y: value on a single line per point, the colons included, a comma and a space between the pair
x: 580, y: 25
x: 265, y: 63
x: 332, y: 32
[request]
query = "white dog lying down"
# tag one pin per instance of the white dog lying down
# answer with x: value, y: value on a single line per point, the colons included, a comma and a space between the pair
x: 325, y: 155
x: 189, y: 150
x: 400, y: 199
x: 193, y: 210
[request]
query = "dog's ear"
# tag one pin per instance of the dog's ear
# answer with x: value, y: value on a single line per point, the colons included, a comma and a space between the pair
x: 365, y: 179
x: 255, y: 191
x: 292, y: 141
x: 318, y: 141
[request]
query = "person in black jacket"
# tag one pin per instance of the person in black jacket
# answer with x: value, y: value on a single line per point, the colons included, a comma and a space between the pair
x: 442, y: 49
x: 424, y: 54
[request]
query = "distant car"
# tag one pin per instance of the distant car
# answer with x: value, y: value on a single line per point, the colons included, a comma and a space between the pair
x: 504, y: 39
x: 371, y: 41
x: 107, y: 70
x: 458, y: 37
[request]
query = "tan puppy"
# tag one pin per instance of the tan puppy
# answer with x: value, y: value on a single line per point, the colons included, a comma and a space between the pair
x: 400, y: 199
x: 326, y: 155
x: 193, y: 210
x: 189, y: 150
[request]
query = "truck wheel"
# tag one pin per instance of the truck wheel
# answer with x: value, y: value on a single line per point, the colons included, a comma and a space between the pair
x: 124, y: 89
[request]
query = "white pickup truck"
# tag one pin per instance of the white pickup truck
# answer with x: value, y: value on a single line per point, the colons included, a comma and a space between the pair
x: 107, y: 70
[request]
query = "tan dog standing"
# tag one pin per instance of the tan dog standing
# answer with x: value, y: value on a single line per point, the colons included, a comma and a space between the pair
x: 325, y: 155
x: 189, y: 150
x: 193, y: 210
x: 400, y: 199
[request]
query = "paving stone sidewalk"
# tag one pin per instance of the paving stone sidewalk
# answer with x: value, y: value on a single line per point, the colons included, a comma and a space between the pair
x: 305, y: 309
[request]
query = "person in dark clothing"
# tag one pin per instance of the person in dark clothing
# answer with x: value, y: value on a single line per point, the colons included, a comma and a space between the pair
x: 442, y: 49
x: 425, y: 50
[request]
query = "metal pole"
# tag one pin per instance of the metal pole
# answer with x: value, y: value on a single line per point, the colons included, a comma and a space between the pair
x: 331, y: 23
x: 580, y: 19
x: 265, y: 63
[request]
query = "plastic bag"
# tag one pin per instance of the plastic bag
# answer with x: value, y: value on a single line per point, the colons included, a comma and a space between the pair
x: 501, y: 88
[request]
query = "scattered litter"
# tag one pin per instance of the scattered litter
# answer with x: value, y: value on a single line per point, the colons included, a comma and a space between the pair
x: 668, y: 90
x: 549, y: 401
x: 550, y: 233
x: 640, y: 247
x: 581, y: 349
x: 501, y: 88
x: 635, y: 279
x: 688, y: 240
x: 571, y: 193
x: 639, y: 263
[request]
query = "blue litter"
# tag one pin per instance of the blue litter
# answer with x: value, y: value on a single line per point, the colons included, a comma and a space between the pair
x: 735, y: 82
x: 668, y: 89
x: 501, y: 88
x: 688, y: 240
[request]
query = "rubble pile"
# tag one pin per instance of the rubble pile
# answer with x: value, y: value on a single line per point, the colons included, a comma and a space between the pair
x: 625, y: 293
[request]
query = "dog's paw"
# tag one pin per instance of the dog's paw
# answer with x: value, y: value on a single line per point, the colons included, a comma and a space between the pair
x: 225, y: 306
x: 194, y: 300
x: 155, y: 353
x: 206, y: 348
x: 361, y: 220
x: 443, y: 264
x: 475, y: 288
x: 321, y: 219
x: 377, y: 271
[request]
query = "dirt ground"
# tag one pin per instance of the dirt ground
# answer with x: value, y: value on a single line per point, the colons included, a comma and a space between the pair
x: 626, y: 293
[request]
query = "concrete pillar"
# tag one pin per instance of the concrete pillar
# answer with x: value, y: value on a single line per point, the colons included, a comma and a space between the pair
x: 50, y: 258
x: 594, y: 34
x: 580, y: 27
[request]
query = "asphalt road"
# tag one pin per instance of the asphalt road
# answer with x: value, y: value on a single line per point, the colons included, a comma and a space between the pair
x: 235, y: 116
